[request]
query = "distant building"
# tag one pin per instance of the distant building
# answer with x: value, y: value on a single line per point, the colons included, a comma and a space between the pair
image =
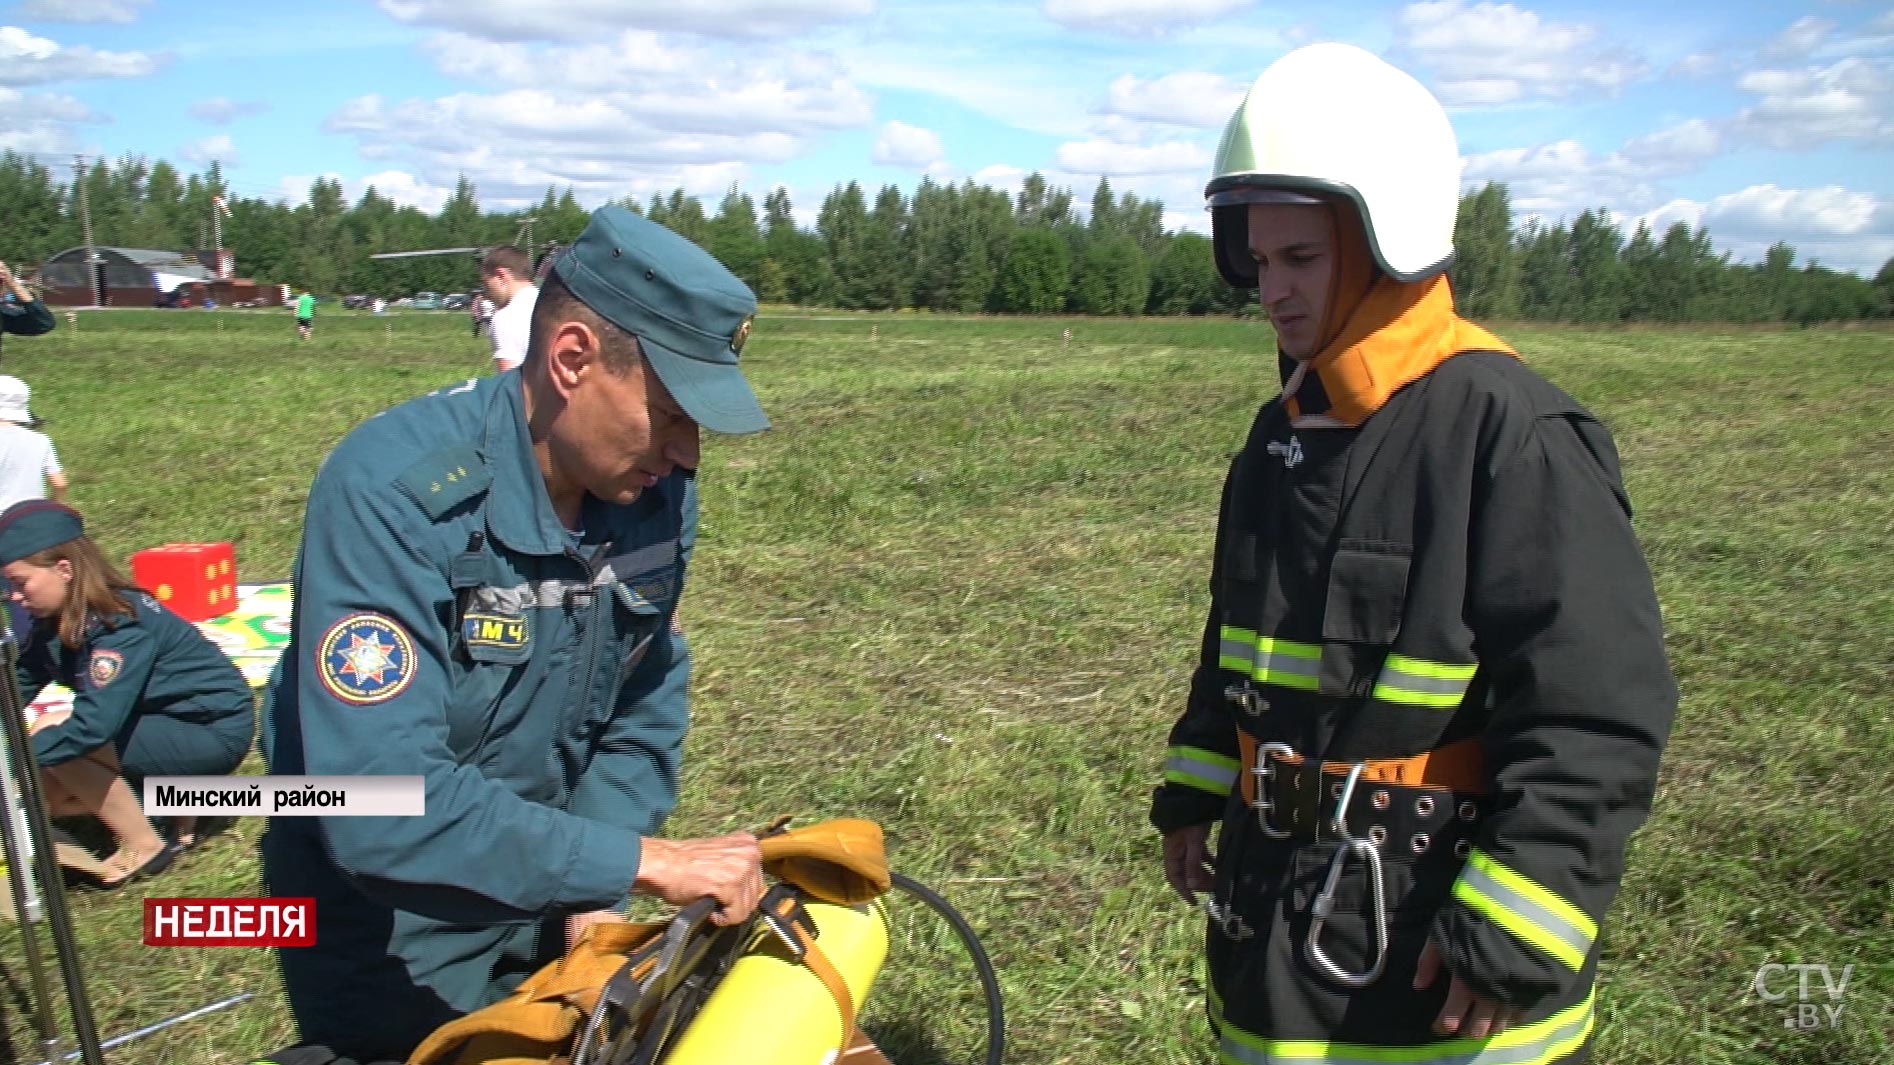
x: 144, y: 277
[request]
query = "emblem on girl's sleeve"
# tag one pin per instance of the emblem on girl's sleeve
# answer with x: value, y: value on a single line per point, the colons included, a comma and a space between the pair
x: 104, y: 666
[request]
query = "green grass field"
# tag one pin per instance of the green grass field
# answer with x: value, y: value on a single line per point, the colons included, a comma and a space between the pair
x: 958, y: 589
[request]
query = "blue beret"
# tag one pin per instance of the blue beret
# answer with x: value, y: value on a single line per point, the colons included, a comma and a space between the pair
x: 690, y: 314
x: 32, y: 526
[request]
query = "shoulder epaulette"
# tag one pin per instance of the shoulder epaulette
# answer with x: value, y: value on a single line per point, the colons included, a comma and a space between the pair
x: 446, y: 479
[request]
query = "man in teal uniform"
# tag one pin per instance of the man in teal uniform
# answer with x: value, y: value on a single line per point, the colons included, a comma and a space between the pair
x: 485, y: 598
x: 21, y: 312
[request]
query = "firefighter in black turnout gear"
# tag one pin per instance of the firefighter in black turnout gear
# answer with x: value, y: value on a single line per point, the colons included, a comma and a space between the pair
x: 1433, y: 691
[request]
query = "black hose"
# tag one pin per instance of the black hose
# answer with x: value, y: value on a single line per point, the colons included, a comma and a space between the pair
x: 989, y: 981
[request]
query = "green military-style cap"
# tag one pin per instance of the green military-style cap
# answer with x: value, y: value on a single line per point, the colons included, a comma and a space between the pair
x: 32, y: 526
x: 690, y: 314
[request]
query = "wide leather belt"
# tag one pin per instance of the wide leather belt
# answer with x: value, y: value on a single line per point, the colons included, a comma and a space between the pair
x: 1404, y: 806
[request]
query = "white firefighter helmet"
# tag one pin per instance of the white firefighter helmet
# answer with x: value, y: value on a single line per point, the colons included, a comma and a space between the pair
x: 1337, y: 120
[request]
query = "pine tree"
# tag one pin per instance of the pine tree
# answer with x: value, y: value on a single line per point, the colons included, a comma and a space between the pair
x: 1037, y: 273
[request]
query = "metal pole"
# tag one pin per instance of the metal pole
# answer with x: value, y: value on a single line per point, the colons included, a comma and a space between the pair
x: 26, y: 902
x: 169, y: 1021
x: 52, y: 884
x: 85, y: 227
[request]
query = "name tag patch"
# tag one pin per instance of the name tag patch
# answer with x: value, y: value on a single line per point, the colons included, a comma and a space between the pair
x: 499, y: 631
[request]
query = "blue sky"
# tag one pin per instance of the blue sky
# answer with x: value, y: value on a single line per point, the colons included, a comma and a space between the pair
x: 1762, y: 121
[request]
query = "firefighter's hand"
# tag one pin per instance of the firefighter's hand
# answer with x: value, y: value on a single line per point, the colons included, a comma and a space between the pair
x: 1187, y: 861
x: 1465, y: 1012
x: 681, y: 871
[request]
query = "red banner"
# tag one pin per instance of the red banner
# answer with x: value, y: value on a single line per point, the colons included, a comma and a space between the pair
x: 181, y: 922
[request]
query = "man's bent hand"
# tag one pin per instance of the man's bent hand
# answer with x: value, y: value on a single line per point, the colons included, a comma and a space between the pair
x: 681, y: 871
x: 1187, y: 861
x: 1466, y: 1013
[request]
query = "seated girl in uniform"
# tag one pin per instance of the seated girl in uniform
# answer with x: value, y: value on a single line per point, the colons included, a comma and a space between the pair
x: 152, y: 696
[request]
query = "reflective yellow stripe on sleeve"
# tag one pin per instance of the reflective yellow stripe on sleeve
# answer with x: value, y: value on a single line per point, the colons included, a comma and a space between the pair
x: 1419, y: 682
x: 1197, y: 768
x: 1284, y: 663
x: 1525, y: 909
x: 1539, y: 1043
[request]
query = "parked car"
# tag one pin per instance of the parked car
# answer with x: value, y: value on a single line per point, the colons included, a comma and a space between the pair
x: 357, y: 301
x: 456, y: 301
x: 426, y: 301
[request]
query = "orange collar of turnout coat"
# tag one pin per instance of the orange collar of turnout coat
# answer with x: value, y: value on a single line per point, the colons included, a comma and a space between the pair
x: 1397, y: 333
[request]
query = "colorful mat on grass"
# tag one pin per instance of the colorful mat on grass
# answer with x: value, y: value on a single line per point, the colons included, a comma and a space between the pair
x: 252, y: 635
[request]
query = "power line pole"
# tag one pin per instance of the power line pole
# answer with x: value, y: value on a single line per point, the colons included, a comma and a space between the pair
x: 85, y: 228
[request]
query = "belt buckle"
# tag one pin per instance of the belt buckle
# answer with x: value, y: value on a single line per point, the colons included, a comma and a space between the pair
x: 1265, y: 772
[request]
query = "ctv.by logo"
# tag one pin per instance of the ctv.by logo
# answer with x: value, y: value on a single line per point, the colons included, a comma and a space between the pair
x: 1776, y: 982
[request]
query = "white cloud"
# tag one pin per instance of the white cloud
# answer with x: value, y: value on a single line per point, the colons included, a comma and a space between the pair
x: 26, y: 59
x: 1844, y: 229
x: 1801, y: 39
x: 900, y: 144
x: 1186, y: 98
x: 39, y: 123
x: 1111, y: 158
x: 221, y: 110
x: 1679, y: 149
x: 401, y: 187
x: 1138, y: 17
x: 530, y: 20
x: 1830, y: 211
x: 630, y: 114
x: 1852, y: 99
x: 1696, y: 65
x: 1487, y: 54
x: 217, y: 148
x: 81, y: 10
x: 1558, y: 178
x: 398, y: 186
x: 1009, y: 179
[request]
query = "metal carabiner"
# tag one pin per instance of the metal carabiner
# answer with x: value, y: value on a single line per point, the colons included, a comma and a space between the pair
x: 1225, y: 917
x: 1264, y: 772
x: 1324, y: 903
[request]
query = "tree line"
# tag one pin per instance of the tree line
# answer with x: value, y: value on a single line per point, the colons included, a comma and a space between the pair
x: 944, y: 247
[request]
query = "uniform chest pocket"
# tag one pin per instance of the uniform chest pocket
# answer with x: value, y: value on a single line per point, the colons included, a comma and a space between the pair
x: 1367, y: 592
x: 640, y: 622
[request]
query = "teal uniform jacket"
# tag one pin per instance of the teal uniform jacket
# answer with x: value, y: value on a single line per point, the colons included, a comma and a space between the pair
x: 141, y: 666
x: 448, y: 626
x: 26, y: 319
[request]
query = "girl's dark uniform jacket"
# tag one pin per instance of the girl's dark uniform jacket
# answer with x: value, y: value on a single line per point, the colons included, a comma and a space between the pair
x: 1461, y: 565
x: 148, y: 662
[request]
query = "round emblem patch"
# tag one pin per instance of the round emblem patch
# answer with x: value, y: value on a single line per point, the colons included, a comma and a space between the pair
x: 103, y: 667
x: 365, y: 658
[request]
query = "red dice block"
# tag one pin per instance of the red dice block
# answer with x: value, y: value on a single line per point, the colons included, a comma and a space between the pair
x: 196, y: 581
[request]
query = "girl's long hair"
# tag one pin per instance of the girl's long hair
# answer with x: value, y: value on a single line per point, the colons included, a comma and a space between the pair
x: 97, y: 589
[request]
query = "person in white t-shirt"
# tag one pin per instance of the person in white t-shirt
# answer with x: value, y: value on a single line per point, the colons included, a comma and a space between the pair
x: 507, y: 275
x: 29, y: 467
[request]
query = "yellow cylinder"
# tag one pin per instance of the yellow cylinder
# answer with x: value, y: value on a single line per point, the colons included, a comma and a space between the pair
x: 771, y: 1010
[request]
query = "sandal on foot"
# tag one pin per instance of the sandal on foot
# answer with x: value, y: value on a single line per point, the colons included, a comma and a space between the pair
x: 152, y: 866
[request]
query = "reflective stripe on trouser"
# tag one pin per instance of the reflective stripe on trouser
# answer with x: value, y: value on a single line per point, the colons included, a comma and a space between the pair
x: 1284, y: 663
x: 1539, y: 1043
x: 1420, y: 682
x: 1525, y: 909
x: 1201, y: 769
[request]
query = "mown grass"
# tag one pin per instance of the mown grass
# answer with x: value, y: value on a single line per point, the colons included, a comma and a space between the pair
x: 958, y: 589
